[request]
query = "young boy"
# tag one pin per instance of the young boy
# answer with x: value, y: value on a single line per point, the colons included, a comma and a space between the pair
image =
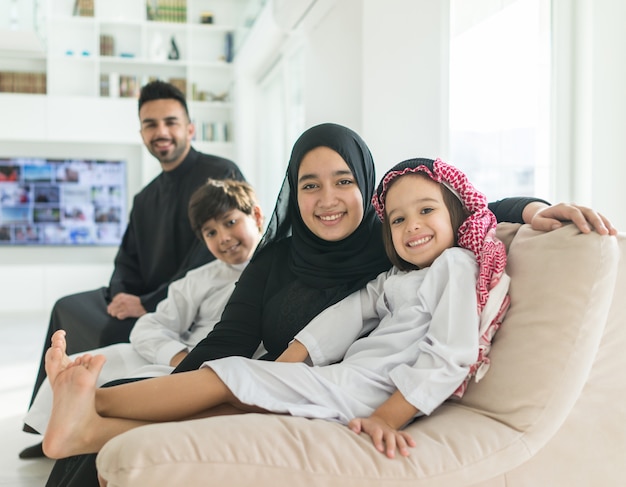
x: 226, y: 216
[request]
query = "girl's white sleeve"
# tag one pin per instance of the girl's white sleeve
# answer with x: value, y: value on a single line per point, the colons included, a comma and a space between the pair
x: 450, y: 346
x: 330, y: 334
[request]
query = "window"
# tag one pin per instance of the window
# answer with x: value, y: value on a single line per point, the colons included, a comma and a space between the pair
x: 500, y: 95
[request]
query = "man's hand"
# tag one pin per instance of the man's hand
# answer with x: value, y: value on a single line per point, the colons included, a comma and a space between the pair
x: 546, y: 218
x: 124, y: 306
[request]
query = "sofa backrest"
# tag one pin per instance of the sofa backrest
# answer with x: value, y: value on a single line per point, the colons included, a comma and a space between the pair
x: 562, y: 288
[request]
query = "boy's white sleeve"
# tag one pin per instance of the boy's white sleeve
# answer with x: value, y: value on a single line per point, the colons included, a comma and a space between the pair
x: 157, y: 336
x: 330, y: 334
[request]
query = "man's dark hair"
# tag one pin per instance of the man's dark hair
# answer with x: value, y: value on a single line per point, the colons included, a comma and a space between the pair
x: 160, y: 90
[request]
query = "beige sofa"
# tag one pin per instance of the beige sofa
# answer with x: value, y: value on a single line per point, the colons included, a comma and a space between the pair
x: 551, y: 411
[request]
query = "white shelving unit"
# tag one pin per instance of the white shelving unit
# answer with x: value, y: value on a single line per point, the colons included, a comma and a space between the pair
x: 140, y: 51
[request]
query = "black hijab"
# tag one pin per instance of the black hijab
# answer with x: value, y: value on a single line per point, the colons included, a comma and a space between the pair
x: 348, y: 264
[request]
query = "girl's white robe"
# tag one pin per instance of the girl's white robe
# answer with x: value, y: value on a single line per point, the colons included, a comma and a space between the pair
x: 424, y: 345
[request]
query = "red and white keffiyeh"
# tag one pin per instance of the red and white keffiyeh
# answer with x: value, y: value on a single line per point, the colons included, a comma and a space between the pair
x: 477, y: 234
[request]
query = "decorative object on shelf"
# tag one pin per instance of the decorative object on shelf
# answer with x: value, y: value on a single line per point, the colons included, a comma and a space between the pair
x: 157, y: 50
x: 201, y: 95
x: 83, y: 8
x: 174, y: 53
x: 228, y: 47
x: 218, y: 97
x: 206, y: 17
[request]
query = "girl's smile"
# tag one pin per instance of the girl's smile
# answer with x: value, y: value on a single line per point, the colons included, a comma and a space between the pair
x: 419, y: 219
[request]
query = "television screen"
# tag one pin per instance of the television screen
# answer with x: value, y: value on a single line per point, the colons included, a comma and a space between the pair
x: 62, y: 202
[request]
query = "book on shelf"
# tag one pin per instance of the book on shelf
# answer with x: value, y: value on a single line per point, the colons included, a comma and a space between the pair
x: 167, y: 10
x: 180, y: 83
x: 83, y: 8
x: 22, y: 82
x: 107, y: 45
x: 115, y: 85
x: 104, y: 85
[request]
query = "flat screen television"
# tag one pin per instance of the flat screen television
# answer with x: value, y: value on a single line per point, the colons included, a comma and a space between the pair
x: 62, y: 202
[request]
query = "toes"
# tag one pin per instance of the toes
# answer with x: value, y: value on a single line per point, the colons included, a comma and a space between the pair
x: 58, y: 340
x: 53, y: 362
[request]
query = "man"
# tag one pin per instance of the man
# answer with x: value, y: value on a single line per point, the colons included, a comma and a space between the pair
x: 158, y: 246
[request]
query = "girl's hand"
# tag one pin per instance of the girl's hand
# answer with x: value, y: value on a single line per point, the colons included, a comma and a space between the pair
x: 385, y: 438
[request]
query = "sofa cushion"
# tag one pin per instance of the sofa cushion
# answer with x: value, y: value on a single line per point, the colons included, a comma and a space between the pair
x: 561, y: 289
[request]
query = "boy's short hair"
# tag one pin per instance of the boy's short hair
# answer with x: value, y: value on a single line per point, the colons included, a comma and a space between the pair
x: 160, y: 90
x: 216, y: 197
x: 458, y: 214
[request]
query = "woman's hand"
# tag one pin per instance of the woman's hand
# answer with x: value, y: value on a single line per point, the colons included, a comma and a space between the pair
x: 385, y: 438
x: 546, y: 218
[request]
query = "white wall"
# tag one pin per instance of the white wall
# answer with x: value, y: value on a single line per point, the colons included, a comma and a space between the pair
x: 381, y: 68
x: 590, y: 105
x: 608, y: 136
x: 405, y: 73
x: 334, y: 67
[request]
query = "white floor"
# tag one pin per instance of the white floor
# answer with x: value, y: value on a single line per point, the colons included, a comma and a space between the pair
x: 21, y: 341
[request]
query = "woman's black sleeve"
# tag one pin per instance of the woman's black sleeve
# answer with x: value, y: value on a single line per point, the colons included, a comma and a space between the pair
x: 510, y: 209
x: 239, y: 331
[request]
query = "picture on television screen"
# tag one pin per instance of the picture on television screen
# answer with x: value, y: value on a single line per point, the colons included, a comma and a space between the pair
x: 62, y: 202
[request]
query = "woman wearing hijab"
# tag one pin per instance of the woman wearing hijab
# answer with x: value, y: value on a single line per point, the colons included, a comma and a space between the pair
x: 296, y: 272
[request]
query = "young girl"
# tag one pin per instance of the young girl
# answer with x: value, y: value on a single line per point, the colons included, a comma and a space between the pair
x: 421, y: 352
x: 226, y: 217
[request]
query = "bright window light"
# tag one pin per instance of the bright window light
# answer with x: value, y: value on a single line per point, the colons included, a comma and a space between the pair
x: 500, y: 95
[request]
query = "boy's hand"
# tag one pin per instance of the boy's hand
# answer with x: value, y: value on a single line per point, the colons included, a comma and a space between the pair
x: 385, y: 438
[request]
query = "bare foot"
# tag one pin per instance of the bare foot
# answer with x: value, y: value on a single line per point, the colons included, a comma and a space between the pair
x: 57, y: 349
x: 74, y: 416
